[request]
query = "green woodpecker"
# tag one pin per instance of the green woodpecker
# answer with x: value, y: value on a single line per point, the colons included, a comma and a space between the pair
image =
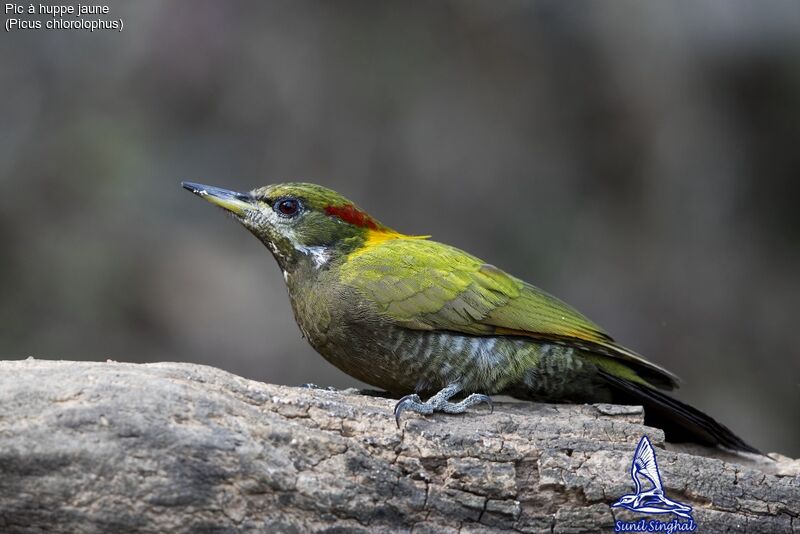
x: 416, y: 317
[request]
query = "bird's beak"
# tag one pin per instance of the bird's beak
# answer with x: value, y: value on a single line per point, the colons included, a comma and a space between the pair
x: 236, y: 203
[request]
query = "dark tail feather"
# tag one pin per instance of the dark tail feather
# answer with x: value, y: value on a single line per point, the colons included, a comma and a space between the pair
x: 680, y: 422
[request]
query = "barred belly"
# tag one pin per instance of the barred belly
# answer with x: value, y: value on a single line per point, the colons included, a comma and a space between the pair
x: 426, y: 361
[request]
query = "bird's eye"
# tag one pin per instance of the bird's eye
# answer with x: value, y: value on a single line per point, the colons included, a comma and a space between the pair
x: 287, y: 207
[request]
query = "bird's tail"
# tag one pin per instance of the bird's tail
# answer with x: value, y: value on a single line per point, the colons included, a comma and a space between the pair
x: 680, y: 422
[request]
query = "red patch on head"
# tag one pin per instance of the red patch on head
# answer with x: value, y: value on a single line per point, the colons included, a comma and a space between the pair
x: 350, y: 214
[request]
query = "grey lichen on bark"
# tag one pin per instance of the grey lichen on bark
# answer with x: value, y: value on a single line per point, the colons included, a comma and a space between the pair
x: 113, y: 447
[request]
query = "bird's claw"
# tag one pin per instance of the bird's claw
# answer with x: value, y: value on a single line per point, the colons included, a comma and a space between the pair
x: 404, y: 404
x: 487, y: 399
x: 439, y: 403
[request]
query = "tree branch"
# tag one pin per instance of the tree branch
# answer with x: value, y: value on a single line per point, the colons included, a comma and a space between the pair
x: 180, y: 447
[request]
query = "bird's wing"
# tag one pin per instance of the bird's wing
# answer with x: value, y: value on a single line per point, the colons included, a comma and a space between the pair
x: 644, y: 461
x: 426, y: 285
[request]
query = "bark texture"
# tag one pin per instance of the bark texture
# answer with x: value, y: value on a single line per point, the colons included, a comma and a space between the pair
x: 113, y: 447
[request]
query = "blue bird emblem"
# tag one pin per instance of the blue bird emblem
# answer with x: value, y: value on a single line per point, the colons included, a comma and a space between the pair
x: 644, y: 470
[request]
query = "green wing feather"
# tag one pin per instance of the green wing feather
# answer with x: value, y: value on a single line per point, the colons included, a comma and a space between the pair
x: 425, y: 285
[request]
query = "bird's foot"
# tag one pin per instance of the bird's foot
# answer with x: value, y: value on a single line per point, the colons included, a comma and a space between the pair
x: 439, y: 403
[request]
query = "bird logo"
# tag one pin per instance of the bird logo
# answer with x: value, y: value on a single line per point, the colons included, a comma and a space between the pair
x: 644, y: 470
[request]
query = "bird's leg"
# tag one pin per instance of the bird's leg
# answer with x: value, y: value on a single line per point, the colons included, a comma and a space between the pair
x: 439, y: 403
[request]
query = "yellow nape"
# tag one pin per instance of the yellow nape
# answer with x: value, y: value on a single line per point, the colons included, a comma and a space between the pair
x: 376, y: 237
x: 373, y: 238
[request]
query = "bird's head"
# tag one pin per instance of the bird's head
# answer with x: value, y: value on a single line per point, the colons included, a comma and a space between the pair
x: 302, y: 224
x: 626, y: 501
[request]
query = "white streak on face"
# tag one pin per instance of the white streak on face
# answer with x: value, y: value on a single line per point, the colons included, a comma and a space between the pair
x: 319, y: 255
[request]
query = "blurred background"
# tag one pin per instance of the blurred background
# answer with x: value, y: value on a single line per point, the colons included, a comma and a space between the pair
x: 640, y: 160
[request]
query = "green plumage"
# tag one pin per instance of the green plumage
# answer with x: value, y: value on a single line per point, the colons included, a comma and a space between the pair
x: 411, y: 315
x: 425, y: 285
